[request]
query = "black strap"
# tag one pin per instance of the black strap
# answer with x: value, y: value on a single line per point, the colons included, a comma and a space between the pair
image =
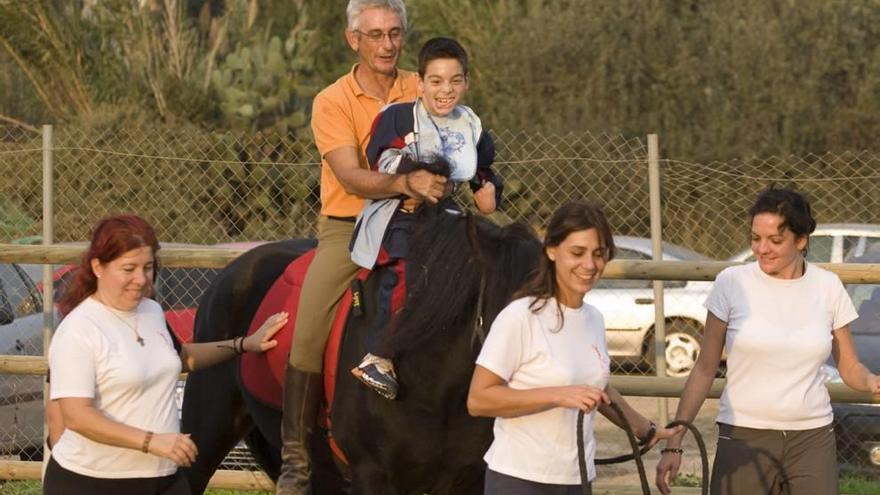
x: 586, y: 486
x: 479, y: 335
x: 342, y: 219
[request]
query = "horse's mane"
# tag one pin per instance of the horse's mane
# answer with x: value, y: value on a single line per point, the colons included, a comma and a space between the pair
x: 449, y: 254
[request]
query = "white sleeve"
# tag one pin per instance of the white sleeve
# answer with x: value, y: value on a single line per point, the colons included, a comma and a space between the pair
x: 389, y: 160
x: 72, y: 362
x: 718, y: 301
x: 843, y: 311
x: 503, y: 351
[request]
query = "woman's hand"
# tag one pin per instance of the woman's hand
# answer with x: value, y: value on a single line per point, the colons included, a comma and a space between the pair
x: 484, y: 197
x: 873, y: 384
x: 177, y: 447
x: 665, y: 434
x: 667, y: 470
x: 261, y: 340
x: 583, y: 397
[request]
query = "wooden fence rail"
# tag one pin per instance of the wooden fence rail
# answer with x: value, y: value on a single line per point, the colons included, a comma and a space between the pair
x: 210, y: 257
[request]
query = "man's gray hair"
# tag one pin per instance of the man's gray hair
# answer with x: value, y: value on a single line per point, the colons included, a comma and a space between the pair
x: 355, y: 7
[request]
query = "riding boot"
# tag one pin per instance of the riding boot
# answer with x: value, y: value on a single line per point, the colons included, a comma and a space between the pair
x: 303, y: 392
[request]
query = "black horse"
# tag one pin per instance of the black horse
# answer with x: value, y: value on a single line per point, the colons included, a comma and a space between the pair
x: 462, y: 271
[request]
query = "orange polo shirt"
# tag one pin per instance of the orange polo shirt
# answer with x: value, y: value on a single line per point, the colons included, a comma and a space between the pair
x: 342, y: 115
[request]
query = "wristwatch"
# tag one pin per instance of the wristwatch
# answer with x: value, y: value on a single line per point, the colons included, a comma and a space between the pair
x: 652, y: 430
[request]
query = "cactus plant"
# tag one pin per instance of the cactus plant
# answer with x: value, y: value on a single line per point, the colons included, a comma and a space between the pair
x: 268, y: 84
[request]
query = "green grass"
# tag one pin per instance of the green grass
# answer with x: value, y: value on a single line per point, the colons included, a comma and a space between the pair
x: 21, y: 488
x: 35, y: 488
x: 861, y: 485
x: 688, y: 479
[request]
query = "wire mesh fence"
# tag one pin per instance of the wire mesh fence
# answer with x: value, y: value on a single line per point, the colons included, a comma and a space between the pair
x: 204, y: 188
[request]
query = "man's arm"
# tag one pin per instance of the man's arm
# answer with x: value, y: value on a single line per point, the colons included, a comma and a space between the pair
x: 364, y: 183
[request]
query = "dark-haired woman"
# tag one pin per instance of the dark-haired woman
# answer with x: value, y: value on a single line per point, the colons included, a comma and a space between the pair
x: 114, y: 368
x: 546, y: 358
x: 780, y: 318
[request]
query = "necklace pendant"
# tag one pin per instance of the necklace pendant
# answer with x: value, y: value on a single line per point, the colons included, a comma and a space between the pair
x: 140, y: 340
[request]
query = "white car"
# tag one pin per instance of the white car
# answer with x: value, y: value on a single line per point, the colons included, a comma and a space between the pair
x: 628, y: 308
x: 833, y: 243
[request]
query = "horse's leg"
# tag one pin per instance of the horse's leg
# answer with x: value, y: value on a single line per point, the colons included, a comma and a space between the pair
x: 214, y: 415
x: 326, y: 477
x: 468, y: 481
x: 369, y: 479
x: 264, y: 452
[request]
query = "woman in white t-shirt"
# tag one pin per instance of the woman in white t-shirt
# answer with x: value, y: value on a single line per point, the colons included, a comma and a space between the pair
x: 544, y: 359
x: 114, y: 369
x: 780, y: 318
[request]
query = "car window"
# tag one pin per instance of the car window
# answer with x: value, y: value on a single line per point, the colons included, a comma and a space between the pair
x: 626, y: 254
x: 866, y: 299
x: 820, y: 248
x: 857, y: 246
x: 853, y: 246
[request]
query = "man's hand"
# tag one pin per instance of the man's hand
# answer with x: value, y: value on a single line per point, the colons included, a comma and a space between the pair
x: 425, y: 186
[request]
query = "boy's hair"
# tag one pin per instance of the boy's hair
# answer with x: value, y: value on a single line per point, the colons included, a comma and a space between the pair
x: 437, y: 48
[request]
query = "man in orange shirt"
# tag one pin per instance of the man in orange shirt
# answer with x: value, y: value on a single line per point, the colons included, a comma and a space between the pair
x: 342, y: 115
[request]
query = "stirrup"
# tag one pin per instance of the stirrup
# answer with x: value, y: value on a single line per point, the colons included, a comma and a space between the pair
x: 378, y: 374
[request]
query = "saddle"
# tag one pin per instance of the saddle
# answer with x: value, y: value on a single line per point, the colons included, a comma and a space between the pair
x: 262, y: 374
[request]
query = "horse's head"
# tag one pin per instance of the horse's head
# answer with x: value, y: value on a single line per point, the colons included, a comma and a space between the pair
x: 453, y: 256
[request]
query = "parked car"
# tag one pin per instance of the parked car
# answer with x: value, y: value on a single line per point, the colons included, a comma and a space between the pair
x: 21, y: 396
x: 833, y: 243
x: 857, y: 426
x: 628, y: 308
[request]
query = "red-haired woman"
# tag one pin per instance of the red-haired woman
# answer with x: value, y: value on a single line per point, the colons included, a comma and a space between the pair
x: 114, y: 368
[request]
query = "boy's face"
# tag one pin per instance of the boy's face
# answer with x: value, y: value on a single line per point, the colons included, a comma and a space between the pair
x: 443, y: 86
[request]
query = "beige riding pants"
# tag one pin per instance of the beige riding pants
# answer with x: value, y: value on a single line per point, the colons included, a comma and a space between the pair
x: 325, y: 282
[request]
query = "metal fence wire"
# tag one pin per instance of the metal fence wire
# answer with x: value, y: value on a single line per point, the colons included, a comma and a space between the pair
x: 205, y: 188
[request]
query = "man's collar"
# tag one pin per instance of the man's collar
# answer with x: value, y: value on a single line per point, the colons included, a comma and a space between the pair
x: 398, y: 88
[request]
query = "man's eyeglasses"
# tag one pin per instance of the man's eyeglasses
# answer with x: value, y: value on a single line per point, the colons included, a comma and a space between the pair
x: 377, y: 35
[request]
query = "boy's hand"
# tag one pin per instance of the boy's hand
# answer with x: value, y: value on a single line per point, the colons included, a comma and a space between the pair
x: 484, y: 197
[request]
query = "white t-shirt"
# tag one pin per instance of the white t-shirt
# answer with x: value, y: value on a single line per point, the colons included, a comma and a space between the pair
x: 779, y: 334
x: 95, y: 355
x: 528, y: 351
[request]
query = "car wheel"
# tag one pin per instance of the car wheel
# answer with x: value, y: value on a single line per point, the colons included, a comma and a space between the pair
x: 683, y: 343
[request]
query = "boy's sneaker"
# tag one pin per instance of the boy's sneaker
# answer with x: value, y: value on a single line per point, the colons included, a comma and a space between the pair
x: 378, y: 374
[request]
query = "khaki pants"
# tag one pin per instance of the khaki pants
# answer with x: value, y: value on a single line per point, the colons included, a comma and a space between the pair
x: 325, y: 282
x: 775, y: 462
